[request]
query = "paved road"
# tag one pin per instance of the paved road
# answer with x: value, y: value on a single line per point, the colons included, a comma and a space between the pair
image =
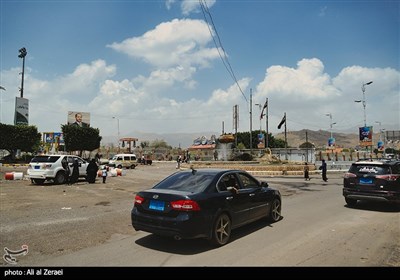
x: 94, y: 229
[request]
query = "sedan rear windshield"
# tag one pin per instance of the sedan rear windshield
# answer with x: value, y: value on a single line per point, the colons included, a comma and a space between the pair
x: 50, y: 159
x: 370, y: 169
x: 186, y: 181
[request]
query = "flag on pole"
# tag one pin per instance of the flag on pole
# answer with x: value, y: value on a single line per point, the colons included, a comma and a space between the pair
x: 262, y: 111
x: 282, y: 122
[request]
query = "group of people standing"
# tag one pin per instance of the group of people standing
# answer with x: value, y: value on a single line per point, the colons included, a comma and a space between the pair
x: 323, y: 169
x: 91, y: 171
x: 71, y: 178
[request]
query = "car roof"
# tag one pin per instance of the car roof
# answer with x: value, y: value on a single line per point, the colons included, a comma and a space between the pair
x: 213, y: 170
x: 377, y: 162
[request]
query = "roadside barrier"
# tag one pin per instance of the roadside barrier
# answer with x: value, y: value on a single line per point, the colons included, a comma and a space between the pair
x: 117, y: 172
x: 113, y: 172
x: 14, y: 176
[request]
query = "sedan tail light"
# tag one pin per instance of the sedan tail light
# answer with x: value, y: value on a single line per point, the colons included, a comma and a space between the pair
x: 138, y: 199
x: 349, y: 175
x: 388, y: 177
x: 185, y: 205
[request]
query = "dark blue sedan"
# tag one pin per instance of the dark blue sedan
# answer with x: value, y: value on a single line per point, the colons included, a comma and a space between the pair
x: 204, y: 203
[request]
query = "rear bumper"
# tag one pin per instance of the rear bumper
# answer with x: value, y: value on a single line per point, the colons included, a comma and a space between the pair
x: 385, y: 196
x: 185, y: 225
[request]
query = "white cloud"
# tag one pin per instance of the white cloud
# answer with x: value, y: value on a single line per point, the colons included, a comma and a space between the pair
x: 322, y: 11
x: 144, y: 103
x: 189, y: 6
x: 307, y: 81
x: 169, y: 3
x: 178, y: 42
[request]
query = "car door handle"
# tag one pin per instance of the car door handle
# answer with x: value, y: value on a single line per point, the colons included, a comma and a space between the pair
x: 229, y: 198
x: 252, y: 194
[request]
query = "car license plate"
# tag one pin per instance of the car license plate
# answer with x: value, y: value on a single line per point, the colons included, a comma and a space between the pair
x: 365, y: 180
x: 156, y: 205
x: 37, y: 167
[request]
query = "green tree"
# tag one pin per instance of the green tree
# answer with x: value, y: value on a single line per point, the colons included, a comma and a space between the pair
x: 19, y: 137
x: 144, y: 144
x: 306, y: 145
x: 244, y: 137
x: 80, y: 138
x: 156, y: 144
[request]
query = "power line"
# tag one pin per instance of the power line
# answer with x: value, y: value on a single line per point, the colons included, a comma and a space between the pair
x: 224, y: 58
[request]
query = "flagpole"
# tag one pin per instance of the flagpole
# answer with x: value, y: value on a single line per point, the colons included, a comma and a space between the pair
x: 251, y: 122
x: 266, y: 123
x: 286, y: 156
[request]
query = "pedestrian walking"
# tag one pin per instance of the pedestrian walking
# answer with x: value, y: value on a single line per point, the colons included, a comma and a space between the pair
x: 306, y: 172
x: 178, y: 162
x: 323, y: 168
x: 104, y: 174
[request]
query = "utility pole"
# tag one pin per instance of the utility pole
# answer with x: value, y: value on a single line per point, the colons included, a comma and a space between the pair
x: 266, y: 122
x: 251, y: 121
x: 286, y: 157
x: 306, y: 145
x: 235, y: 121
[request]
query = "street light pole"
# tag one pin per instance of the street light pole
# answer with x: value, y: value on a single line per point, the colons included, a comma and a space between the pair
x: 331, y: 123
x: 364, y: 103
x: 117, y: 128
x: 1, y: 104
x: 259, y: 107
x: 22, y: 54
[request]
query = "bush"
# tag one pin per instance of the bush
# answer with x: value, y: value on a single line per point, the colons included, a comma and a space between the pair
x: 243, y: 157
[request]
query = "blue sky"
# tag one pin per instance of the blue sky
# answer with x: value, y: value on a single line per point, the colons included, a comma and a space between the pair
x: 154, y: 65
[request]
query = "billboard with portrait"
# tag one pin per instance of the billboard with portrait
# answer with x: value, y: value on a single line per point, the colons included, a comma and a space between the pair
x: 53, y: 137
x: 365, y: 136
x: 78, y: 118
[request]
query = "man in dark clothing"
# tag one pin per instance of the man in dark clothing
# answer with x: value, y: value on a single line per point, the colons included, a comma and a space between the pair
x: 323, y: 167
x: 65, y: 165
x: 91, y: 171
x: 75, y: 172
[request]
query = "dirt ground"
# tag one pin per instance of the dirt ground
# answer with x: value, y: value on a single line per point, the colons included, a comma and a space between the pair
x: 54, y: 219
x: 57, y: 219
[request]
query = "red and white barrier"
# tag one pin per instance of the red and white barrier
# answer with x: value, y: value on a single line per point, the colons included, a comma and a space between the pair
x: 14, y: 176
x: 114, y: 172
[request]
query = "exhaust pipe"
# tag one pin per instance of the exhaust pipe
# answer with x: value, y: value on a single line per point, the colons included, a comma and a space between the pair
x: 177, y: 237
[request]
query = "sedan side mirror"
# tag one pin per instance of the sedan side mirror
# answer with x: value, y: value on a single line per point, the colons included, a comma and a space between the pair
x: 264, y: 184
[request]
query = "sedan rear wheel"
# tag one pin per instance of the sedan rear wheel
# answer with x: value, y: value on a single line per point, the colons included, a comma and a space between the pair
x: 350, y: 201
x: 222, y: 230
x: 275, y: 212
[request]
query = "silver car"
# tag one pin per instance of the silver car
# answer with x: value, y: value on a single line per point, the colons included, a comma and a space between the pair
x: 49, y: 167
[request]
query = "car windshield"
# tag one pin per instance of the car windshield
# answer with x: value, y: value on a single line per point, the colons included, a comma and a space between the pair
x: 51, y: 159
x: 370, y: 169
x: 186, y: 181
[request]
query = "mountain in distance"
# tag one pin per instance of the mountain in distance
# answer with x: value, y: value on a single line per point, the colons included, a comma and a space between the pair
x: 295, y: 138
x: 320, y: 138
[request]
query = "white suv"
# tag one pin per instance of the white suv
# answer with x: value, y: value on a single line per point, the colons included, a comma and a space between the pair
x: 49, y: 167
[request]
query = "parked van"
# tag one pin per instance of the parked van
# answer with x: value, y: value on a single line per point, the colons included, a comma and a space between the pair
x: 123, y: 160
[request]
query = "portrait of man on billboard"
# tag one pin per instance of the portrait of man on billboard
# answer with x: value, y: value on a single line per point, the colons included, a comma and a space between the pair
x: 365, y: 136
x: 81, y: 119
